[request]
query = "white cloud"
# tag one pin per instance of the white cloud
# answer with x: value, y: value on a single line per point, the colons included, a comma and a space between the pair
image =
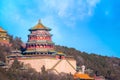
x: 65, y: 11
x: 92, y: 3
x: 49, y: 21
x: 69, y: 10
x: 65, y: 7
x: 58, y: 6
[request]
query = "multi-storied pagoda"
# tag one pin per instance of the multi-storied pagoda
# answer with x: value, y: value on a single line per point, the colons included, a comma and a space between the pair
x: 4, y: 38
x: 39, y: 40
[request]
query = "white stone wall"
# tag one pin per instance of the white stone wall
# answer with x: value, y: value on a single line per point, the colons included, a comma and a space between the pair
x: 63, y: 65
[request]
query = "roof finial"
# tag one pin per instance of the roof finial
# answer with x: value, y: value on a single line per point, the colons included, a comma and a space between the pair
x: 39, y: 21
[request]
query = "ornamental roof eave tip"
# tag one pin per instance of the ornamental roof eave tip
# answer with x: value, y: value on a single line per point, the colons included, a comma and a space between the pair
x: 39, y: 29
x: 60, y: 53
x: 2, y: 30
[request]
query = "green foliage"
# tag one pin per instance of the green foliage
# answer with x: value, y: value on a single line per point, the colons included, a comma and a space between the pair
x: 16, y: 42
x: 16, y: 65
x: 3, y: 75
x: 43, y: 70
x: 44, y: 75
x: 4, y: 50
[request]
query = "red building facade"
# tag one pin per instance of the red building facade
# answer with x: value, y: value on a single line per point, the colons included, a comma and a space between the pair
x: 39, y: 40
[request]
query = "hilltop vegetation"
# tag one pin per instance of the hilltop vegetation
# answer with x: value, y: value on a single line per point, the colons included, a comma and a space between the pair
x: 108, y: 67
x: 16, y: 44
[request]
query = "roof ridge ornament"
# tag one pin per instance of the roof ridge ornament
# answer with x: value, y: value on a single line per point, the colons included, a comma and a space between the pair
x: 1, y: 29
x: 39, y: 21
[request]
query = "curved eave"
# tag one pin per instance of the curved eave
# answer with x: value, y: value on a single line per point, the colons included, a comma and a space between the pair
x: 34, y: 29
x: 62, y: 54
x: 33, y: 51
x: 3, y: 31
x: 59, y: 54
x: 4, y: 37
x: 2, y: 63
x: 39, y: 35
x: 52, y: 51
x: 40, y: 42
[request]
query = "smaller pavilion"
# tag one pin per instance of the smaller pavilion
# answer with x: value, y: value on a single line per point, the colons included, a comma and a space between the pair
x: 4, y: 38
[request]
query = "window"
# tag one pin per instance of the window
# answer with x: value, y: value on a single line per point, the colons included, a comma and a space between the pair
x: 60, y: 57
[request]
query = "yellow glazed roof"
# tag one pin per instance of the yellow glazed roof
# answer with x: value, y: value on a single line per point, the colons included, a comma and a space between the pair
x: 1, y: 30
x: 82, y: 76
x: 39, y: 26
x: 60, y: 53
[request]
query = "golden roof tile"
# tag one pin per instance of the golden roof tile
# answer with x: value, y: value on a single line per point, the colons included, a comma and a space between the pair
x: 39, y: 26
x: 1, y: 30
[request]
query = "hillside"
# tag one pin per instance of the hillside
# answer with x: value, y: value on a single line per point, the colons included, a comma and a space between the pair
x: 95, y: 64
x: 101, y: 65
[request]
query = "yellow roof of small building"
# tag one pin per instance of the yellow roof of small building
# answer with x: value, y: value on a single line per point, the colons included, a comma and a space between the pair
x: 82, y: 76
x: 60, y: 53
x: 1, y: 30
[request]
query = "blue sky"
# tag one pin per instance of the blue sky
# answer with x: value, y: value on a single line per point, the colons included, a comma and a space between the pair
x: 87, y: 25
